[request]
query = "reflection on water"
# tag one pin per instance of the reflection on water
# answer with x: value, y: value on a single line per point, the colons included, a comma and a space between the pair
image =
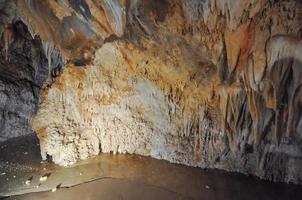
x: 109, y: 189
x: 124, y: 177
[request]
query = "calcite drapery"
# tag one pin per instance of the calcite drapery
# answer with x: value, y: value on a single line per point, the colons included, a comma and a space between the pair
x: 204, y: 83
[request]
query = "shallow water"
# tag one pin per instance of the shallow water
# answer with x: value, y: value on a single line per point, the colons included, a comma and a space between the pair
x: 110, y: 176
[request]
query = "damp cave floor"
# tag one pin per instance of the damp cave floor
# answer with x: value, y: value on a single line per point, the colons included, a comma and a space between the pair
x: 122, y: 177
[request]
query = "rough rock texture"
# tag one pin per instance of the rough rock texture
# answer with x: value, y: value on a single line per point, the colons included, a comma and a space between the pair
x: 205, y: 83
x: 23, y: 71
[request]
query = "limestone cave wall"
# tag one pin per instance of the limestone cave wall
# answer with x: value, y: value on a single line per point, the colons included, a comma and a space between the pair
x: 23, y: 71
x: 213, y: 84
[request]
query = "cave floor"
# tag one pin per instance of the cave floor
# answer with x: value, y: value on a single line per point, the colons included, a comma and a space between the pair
x: 110, y: 176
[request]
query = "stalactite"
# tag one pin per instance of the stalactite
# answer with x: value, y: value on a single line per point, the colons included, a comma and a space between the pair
x: 8, y: 37
x: 117, y: 12
x: 48, y: 50
x: 217, y: 87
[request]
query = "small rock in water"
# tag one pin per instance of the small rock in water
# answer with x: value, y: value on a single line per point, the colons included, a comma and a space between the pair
x: 25, y: 153
x: 44, y: 177
x: 14, y: 176
x: 207, y: 187
x: 81, y: 173
x: 3, y: 173
x: 28, y: 181
x: 55, y: 189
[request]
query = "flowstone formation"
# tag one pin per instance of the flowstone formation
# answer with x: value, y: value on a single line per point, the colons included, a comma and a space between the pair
x: 213, y: 84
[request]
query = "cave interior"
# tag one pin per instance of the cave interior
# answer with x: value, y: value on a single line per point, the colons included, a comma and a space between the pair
x: 161, y: 99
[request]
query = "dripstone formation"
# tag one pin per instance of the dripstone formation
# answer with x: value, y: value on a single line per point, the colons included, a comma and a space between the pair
x: 213, y: 84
